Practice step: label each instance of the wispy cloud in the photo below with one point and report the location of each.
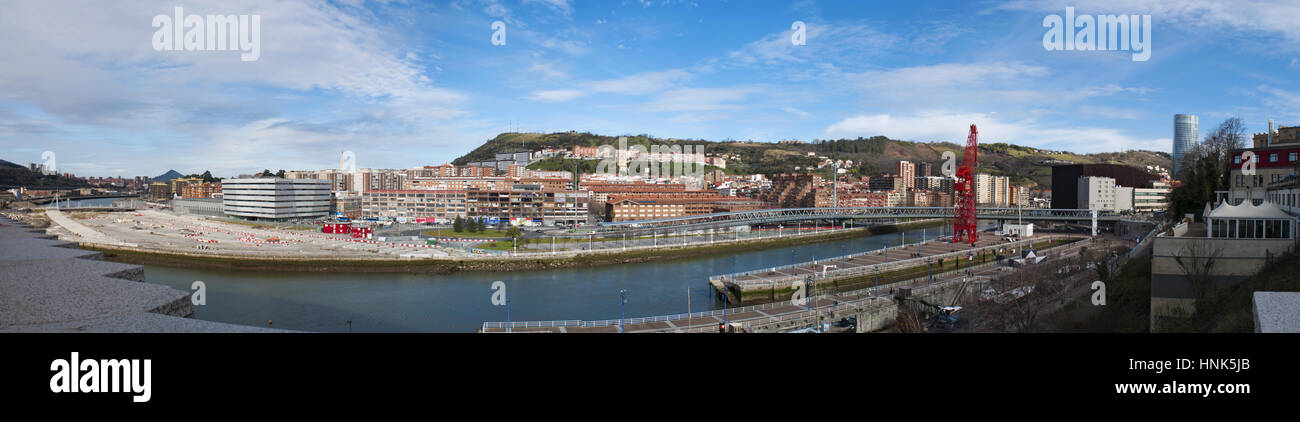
(953, 127)
(639, 84)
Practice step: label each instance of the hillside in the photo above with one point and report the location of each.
(1026, 166)
(12, 174)
(167, 177)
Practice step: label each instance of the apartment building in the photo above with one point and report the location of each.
(906, 170)
(409, 204)
(797, 191)
(643, 208)
(201, 190)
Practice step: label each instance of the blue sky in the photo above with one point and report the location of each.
(403, 84)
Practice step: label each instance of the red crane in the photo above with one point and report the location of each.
(964, 226)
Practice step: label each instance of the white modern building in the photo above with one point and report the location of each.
(1101, 193)
(275, 198)
(1152, 199)
(1018, 230)
(1123, 198)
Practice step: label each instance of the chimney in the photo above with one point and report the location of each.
(1270, 133)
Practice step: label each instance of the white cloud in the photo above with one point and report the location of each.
(796, 111)
(1270, 16)
(95, 75)
(1282, 101)
(953, 127)
(555, 96)
(638, 84)
(992, 83)
(835, 43)
(699, 99)
(560, 6)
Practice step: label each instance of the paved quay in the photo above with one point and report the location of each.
(48, 285)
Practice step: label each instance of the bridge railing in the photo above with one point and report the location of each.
(839, 299)
(860, 270)
(867, 212)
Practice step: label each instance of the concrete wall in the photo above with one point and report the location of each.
(1172, 295)
(1233, 257)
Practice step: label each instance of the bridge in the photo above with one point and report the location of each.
(50, 199)
(778, 215)
(131, 203)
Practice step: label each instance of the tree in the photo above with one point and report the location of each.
(280, 173)
(458, 225)
(1205, 168)
(471, 225)
(1197, 261)
(514, 233)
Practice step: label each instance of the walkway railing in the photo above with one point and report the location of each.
(788, 214)
(859, 270)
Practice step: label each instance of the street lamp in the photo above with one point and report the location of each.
(811, 282)
(876, 291)
(928, 278)
(622, 325)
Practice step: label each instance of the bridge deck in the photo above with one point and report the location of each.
(777, 215)
(857, 261)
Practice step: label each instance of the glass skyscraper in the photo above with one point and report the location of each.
(1186, 129)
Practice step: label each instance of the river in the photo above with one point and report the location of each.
(461, 302)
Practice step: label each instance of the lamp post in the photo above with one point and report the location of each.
(928, 277)
(622, 325)
(724, 295)
(349, 326)
(876, 289)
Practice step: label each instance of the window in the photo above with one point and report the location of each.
(1291, 157)
(1272, 158)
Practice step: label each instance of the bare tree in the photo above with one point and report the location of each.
(908, 320)
(1197, 260)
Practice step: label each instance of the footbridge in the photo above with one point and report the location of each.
(779, 215)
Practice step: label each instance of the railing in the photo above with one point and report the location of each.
(614, 245)
(839, 300)
(785, 214)
(856, 271)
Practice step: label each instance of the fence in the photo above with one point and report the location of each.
(860, 270)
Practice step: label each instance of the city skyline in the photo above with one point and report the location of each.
(404, 85)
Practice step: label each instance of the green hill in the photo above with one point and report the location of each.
(1026, 166)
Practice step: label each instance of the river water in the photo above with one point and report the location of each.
(92, 202)
(461, 302)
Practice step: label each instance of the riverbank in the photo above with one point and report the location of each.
(485, 264)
